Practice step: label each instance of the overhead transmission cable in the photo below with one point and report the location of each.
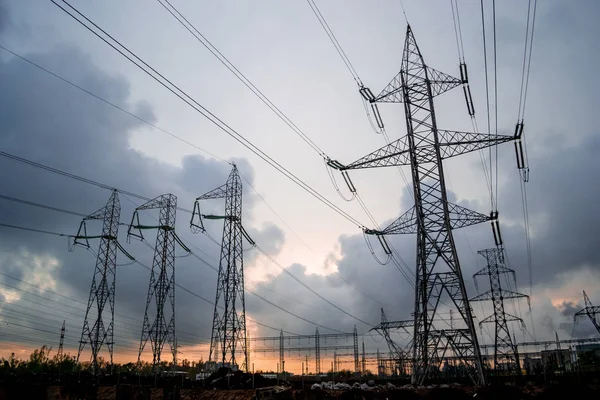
(209, 46)
(178, 138)
(176, 284)
(126, 193)
(107, 102)
(524, 172)
(186, 98)
(398, 264)
(335, 42)
(238, 74)
(306, 244)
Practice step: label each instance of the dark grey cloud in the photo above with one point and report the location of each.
(4, 16)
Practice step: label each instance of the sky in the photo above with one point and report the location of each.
(283, 50)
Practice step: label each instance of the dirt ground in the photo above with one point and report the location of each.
(127, 392)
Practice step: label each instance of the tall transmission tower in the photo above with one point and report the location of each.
(62, 342)
(229, 318)
(396, 352)
(433, 217)
(98, 327)
(590, 310)
(159, 323)
(506, 355)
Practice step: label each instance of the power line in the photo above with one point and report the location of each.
(148, 268)
(334, 41)
(309, 288)
(24, 228)
(107, 102)
(162, 80)
(50, 169)
(304, 243)
(357, 79)
(241, 77)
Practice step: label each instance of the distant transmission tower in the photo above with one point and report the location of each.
(433, 217)
(62, 341)
(98, 328)
(590, 310)
(159, 323)
(505, 351)
(228, 338)
(396, 352)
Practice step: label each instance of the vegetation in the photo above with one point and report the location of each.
(40, 361)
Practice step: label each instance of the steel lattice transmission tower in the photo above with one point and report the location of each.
(505, 351)
(159, 321)
(229, 337)
(61, 344)
(433, 217)
(590, 310)
(98, 326)
(396, 352)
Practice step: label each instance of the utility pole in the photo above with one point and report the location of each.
(590, 310)
(159, 321)
(100, 330)
(505, 351)
(229, 318)
(433, 217)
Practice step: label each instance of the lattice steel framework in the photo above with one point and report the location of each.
(98, 326)
(319, 343)
(433, 217)
(159, 317)
(229, 318)
(396, 352)
(590, 310)
(61, 344)
(506, 355)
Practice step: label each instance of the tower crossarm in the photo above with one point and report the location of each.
(590, 310)
(451, 144)
(218, 193)
(460, 217)
(393, 325)
(492, 319)
(501, 270)
(440, 83)
(454, 143)
(506, 294)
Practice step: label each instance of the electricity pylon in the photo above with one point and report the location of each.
(229, 318)
(96, 331)
(396, 353)
(505, 351)
(61, 344)
(433, 217)
(590, 310)
(161, 288)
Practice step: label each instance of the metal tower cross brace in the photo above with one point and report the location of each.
(590, 310)
(433, 216)
(159, 324)
(98, 327)
(229, 319)
(505, 351)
